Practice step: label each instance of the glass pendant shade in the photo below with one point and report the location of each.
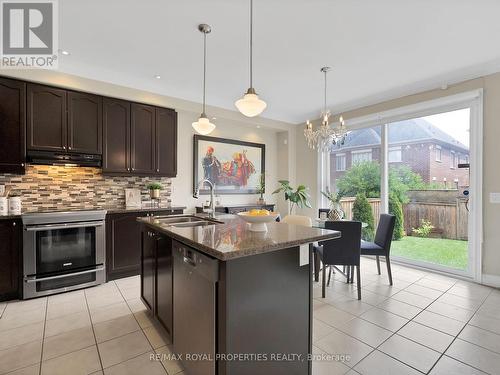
(250, 105)
(203, 126)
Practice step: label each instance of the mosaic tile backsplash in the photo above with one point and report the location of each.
(46, 187)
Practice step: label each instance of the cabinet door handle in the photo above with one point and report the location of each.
(133, 169)
(64, 147)
(14, 224)
(22, 164)
(69, 148)
(157, 169)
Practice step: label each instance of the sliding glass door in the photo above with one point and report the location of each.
(428, 164)
(419, 163)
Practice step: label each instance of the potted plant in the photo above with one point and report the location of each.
(336, 212)
(298, 197)
(154, 190)
(261, 188)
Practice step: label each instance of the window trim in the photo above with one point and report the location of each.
(359, 152)
(395, 148)
(472, 99)
(440, 158)
(343, 154)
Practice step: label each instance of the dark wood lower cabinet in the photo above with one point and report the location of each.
(148, 269)
(10, 258)
(164, 279)
(123, 242)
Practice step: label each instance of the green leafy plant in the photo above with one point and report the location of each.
(333, 198)
(154, 186)
(298, 197)
(362, 211)
(424, 230)
(261, 187)
(396, 209)
(365, 178)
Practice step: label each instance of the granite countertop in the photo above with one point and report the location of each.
(232, 238)
(109, 210)
(114, 210)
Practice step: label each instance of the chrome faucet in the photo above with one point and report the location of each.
(196, 195)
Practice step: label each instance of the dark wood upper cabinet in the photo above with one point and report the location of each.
(84, 123)
(12, 126)
(47, 119)
(10, 250)
(116, 134)
(166, 142)
(143, 133)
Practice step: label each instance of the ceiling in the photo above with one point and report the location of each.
(378, 49)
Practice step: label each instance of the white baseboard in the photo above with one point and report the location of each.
(491, 280)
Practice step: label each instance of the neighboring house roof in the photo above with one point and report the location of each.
(401, 132)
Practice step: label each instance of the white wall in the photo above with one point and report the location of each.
(230, 124)
(183, 183)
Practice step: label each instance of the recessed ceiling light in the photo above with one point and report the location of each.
(65, 53)
(157, 76)
(258, 126)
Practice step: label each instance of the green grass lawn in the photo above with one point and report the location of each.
(449, 253)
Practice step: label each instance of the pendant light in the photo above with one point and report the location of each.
(250, 105)
(203, 125)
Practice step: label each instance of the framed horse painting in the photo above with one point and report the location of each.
(234, 167)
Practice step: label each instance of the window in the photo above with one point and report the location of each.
(361, 156)
(438, 153)
(395, 155)
(453, 159)
(340, 162)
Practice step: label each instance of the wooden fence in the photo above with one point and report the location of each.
(347, 204)
(450, 220)
(447, 213)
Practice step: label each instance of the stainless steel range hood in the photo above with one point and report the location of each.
(64, 159)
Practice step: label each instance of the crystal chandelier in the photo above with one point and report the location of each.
(326, 136)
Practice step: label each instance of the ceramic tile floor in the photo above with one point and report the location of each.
(100, 330)
(425, 323)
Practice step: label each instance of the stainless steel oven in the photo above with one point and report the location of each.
(62, 251)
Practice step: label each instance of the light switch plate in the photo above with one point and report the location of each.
(304, 255)
(495, 198)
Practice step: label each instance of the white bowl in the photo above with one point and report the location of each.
(258, 222)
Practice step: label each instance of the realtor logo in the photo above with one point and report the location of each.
(29, 34)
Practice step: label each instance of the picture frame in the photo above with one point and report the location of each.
(233, 166)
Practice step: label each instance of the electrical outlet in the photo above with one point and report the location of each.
(495, 198)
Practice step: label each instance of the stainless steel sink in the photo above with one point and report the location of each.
(185, 221)
(194, 224)
(178, 219)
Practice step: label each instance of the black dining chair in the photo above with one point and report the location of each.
(343, 251)
(381, 246)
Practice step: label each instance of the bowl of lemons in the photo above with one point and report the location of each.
(258, 219)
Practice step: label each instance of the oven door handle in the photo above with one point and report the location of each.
(35, 228)
(33, 279)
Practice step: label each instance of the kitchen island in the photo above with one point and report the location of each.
(234, 301)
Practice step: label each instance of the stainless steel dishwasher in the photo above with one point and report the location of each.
(195, 283)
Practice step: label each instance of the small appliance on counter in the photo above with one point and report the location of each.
(133, 198)
(15, 205)
(62, 251)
